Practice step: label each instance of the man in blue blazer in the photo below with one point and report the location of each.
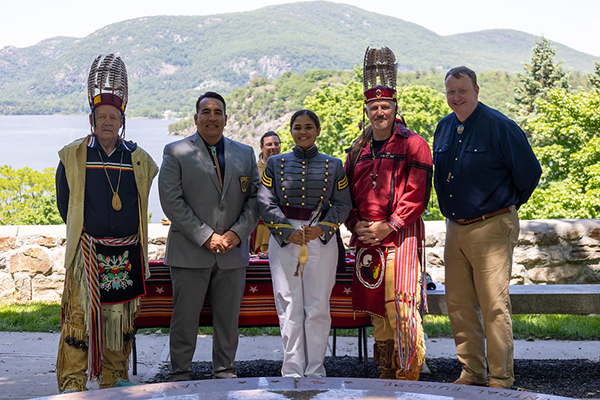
(207, 187)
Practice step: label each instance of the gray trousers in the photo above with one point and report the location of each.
(225, 288)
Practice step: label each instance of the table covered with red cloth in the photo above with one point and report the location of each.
(258, 306)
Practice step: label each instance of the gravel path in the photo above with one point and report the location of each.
(569, 378)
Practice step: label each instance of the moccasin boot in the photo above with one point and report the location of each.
(383, 352)
(72, 384)
(110, 378)
(410, 375)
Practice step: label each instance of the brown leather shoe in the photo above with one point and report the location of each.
(463, 381)
(498, 386)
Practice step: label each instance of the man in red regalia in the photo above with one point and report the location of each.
(390, 171)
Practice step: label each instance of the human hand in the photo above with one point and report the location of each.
(312, 232)
(296, 237)
(372, 233)
(229, 240)
(214, 243)
(362, 228)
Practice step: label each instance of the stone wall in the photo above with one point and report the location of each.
(548, 251)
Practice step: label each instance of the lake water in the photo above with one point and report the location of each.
(34, 141)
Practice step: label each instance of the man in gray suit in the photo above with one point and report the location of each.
(207, 186)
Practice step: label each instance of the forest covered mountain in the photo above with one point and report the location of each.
(172, 59)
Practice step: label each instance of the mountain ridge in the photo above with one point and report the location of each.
(172, 59)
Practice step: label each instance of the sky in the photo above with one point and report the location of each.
(575, 23)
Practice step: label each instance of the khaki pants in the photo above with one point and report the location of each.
(478, 260)
(385, 328)
(72, 360)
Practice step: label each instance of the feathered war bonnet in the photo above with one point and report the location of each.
(379, 63)
(107, 84)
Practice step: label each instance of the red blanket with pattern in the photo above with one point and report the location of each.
(258, 306)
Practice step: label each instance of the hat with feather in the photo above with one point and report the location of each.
(379, 74)
(107, 83)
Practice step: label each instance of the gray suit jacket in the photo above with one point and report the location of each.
(192, 199)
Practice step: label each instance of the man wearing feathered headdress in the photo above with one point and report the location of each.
(390, 170)
(102, 187)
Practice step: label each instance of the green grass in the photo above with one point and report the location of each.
(32, 317)
(557, 327)
(45, 317)
(535, 326)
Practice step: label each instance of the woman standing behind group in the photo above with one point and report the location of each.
(303, 199)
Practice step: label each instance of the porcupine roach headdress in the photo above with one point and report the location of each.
(379, 63)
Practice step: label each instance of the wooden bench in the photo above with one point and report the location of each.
(576, 299)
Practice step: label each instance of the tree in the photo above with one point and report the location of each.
(28, 197)
(422, 108)
(594, 78)
(540, 76)
(339, 108)
(565, 133)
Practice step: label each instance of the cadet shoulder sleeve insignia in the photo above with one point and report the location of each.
(343, 183)
(268, 182)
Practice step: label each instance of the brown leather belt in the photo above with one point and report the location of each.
(484, 216)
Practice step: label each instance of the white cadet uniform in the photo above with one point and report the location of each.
(292, 186)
